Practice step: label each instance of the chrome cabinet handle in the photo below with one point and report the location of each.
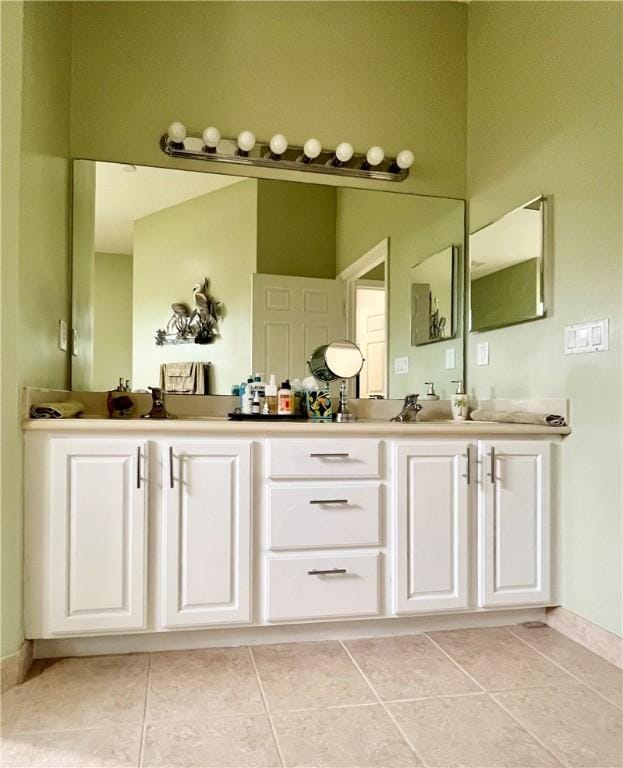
(328, 571)
(468, 474)
(329, 455)
(138, 467)
(328, 501)
(171, 480)
(492, 466)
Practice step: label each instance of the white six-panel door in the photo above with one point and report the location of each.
(98, 535)
(514, 523)
(206, 541)
(432, 527)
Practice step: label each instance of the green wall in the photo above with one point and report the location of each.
(295, 229)
(506, 296)
(212, 236)
(389, 73)
(545, 116)
(36, 49)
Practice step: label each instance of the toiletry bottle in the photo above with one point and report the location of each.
(271, 394)
(459, 402)
(247, 396)
(284, 399)
(255, 404)
(430, 394)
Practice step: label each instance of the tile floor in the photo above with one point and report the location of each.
(479, 697)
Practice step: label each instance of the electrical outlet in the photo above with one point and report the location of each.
(401, 365)
(450, 359)
(482, 353)
(62, 335)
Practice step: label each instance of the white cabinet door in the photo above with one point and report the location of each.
(432, 527)
(514, 523)
(98, 535)
(207, 533)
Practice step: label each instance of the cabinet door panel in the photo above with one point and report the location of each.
(432, 531)
(207, 533)
(97, 536)
(514, 536)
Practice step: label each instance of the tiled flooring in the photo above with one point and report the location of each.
(480, 697)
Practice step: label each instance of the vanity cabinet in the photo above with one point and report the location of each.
(514, 523)
(97, 565)
(206, 533)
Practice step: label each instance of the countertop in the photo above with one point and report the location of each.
(216, 425)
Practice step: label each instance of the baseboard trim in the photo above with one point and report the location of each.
(597, 639)
(14, 668)
(236, 636)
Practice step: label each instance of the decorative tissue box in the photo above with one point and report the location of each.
(319, 404)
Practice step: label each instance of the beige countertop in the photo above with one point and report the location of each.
(215, 425)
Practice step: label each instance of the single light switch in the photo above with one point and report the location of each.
(595, 335)
(583, 337)
(401, 365)
(482, 353)
(450, 359)
(586, 337)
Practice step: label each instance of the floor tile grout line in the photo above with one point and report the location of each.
(455, 662)
(564, 669)
(268, 713)
(528, 730)
(389, 714)
(141, 750)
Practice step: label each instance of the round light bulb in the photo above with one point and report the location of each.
(375, 156)
(177, 132)
(312, 148)
(344, 152)
(278, 144)
(404, 159)
(211, 137)
(246, 141)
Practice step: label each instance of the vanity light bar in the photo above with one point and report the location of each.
(277, 153)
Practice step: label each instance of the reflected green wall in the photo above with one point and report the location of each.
(506, 296)
(545, 117)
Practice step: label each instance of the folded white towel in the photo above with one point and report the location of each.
(66, 410)
(519, 417)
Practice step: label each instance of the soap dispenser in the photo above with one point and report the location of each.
(430, 394)
(459, 402)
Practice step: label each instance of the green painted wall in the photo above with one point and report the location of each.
(417, 228)
(36, 46)
(214, 235)
(391, 73)
(295, 229)
(506, 296)
(545, 116)
(112, 314)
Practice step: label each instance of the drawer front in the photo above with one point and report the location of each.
(298, 590)
(323, 516)
(320, 459)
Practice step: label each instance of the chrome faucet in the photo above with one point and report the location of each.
(410, 409)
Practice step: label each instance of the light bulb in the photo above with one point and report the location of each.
(404, 159)
(375, 156)
(278, 144)
(311, 149)
(177, 133)
(211, 138)
(246, 142)
(344, 152)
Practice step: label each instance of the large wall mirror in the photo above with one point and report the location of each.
(506, 269)
(274, 268)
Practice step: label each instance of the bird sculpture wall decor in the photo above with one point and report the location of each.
(199, 325)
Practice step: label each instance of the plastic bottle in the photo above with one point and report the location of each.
(284, 399)
(255, 404)
(271, 394)
(247, 396)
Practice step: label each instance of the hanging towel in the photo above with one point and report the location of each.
(519, 417)
(184, 378)
(67, 410)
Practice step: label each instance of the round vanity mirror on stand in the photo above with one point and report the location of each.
(337, 360)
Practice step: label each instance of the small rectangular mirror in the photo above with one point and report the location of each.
(506, 269)
(433, 298)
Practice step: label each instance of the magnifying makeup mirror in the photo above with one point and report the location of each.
(337, 360)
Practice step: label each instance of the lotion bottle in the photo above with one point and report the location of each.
(459, 402)
(284, 399)
(271, 394)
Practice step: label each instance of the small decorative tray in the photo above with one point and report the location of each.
(235, 416)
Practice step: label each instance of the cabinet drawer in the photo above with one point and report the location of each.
(323, 516)
(295, 591)
(319, 459)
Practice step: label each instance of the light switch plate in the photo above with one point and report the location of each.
(482, 353)
(74, 342)
(586, 337)
(401, 365)
(450, 359)
(62, 335)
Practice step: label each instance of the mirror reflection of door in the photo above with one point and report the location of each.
(370, 336)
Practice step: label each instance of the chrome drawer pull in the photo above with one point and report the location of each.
(328, 572)
(171, 478)
(328, 501)
(138, 467)
(492, 472)
(329, 455)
